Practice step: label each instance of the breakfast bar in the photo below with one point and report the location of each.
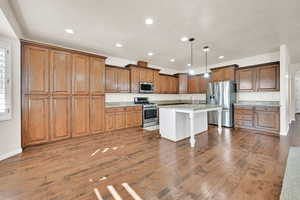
(178, 122)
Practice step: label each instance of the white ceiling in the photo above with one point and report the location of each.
(233, 28)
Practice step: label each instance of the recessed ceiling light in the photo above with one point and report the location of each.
(221, 57)
(69, 31)
(172, 60)
(191, 72)
(119, 45)
(189, 65)
(184, 39)
(149, 21)
(150, 54)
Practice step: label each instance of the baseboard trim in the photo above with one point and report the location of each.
(10, 154)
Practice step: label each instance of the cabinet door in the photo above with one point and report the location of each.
(268, 78)
(217, 75)
(110, 119)
(80, 116)
(149, 76)
(97, 76)
(183, 83)
(129, 119)
(111, 80)
(123, 80)
(156, 82)
(137, 118)
(81, 74)
(60, 117)
(228, 74)
(36, 70)
(61, 72)
(135, 79)
(143, 75)
(203, 84)
(97, 110)
(266, 120)
(194, 84)
(35, 120)
(246, 80)
(120, 120)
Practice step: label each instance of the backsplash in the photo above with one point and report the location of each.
(126, 97)
(258, 96)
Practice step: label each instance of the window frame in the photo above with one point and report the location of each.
(7, 46)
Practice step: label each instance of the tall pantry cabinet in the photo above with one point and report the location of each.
(60, 90)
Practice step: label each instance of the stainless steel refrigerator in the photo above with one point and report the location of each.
(221, 93)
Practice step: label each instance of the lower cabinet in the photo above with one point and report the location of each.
(263, 118)
(123, 117)
(80, 116)
(35, 120)
(97, 109)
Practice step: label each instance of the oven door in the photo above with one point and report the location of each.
(150, 115)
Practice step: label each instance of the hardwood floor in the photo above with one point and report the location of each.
(237, 164)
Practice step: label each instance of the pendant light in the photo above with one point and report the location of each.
(191, 71)
(206, 50)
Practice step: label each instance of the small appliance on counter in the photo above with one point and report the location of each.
(145, 87)
(150, 111)
(222, 93)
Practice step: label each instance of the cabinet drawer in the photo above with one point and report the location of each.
(134, 108)
(244, 123)
(243, 111)
(266, 108)
(114, 110)
(244, 117)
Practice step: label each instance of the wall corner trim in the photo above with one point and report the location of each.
(10, 154)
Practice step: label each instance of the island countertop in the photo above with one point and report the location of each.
(192, 107)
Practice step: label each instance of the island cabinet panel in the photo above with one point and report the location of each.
(246, 79)
(97, 76)
(123, 80)
(35, 119)
(263, 118)
(80, 116)
(61, 72)
(268, 78)
(97, 114)
(35, 70)
(81, 74)
(60, 117)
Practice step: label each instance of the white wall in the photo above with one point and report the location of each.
(297, 92)
(10, 131)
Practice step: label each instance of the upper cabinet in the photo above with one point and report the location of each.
(183, 83)
(61, 72)
(259, 78)
(197, 84)
(168, 84)
(81, 74)
(35, 70)
(117, 79)
(226, 73)
(97, 76)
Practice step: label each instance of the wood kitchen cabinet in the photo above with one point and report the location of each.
(60, 117)
(97, 76)
(133, 116)
(35, 70)
(183, 83)
(156, 82)
(60, 72)
(117, 79)
(197, 84)
(259, 78)
(263, 118)
(81, 74)
(35, 119)
(226, 73)
(168, 84)
(80, 116)
(97, 114)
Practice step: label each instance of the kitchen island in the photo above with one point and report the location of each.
(178, 122)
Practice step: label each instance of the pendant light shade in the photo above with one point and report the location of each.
(206, 50)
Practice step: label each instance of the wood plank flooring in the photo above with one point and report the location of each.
(237, 164)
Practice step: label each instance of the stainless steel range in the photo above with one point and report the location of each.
(150, 111)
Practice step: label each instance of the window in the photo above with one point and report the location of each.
(5, 88)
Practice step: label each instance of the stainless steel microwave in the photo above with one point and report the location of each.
(146, 87)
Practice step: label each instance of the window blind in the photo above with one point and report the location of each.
(4, 83)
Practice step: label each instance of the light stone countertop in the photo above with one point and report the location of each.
(193, 107)
(120, 104)
(160, 103)
(258, 103)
